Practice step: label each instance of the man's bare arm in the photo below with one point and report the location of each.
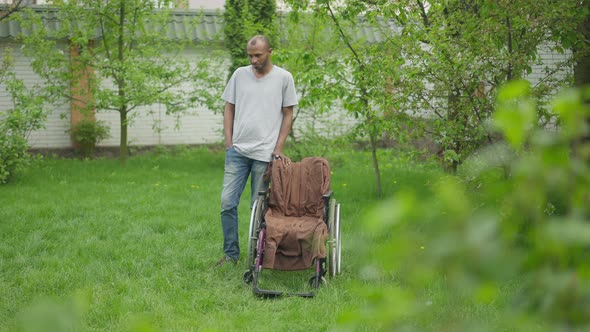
(228, 123)
(284, 132)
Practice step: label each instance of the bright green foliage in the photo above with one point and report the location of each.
(244, 19)
(342, 70)
(458, 53)
(306, 42)
(127, 51)
(516, 116)
(489, 250)
(27, 114)
(13, 151)
(88, 133)
(442, 62)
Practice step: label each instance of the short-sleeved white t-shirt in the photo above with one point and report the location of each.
(258, 109)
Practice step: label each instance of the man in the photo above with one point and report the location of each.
(257, 119)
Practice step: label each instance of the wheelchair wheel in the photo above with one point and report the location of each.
(339, 242)
(334, 240)
(317, 282)
(248, 276)
(255, 221)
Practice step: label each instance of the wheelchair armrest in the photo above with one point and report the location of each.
(326, 198)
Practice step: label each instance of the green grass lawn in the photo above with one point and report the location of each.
(92, 245)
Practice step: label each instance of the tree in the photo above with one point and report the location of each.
(444, 62)
(307, 50)
(127, 54)
(244, 19)
(26, 114)
(16, 123)
(497, 253)
(582, 50)
(360, 101)
(462, 51)
(353, 74)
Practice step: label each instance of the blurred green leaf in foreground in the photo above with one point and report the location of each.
(502, 245)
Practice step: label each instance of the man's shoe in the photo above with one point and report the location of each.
(226, 259)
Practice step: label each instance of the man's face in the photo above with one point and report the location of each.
(259, 54)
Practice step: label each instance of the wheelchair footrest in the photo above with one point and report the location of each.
(266, 292)
(272, 293)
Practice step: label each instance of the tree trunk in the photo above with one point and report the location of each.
(376, 165)
(582, 66)
(453, 106)
(123, 149)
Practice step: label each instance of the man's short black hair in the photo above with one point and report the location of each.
(257, 38)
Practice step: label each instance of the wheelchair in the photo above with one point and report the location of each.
(295, 225)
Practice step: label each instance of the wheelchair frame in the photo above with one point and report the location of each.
(257, 240)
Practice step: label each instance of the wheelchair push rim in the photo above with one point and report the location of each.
(334, 239)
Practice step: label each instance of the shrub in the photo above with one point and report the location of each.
(26, 115)
(87, 134)
(502, 246)
(13, 152)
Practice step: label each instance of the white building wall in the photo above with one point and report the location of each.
(199, 127)
(549, 60)
(218, 4)
(150, 125)
(206, 4)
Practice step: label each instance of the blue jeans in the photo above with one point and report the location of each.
(237, 170)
